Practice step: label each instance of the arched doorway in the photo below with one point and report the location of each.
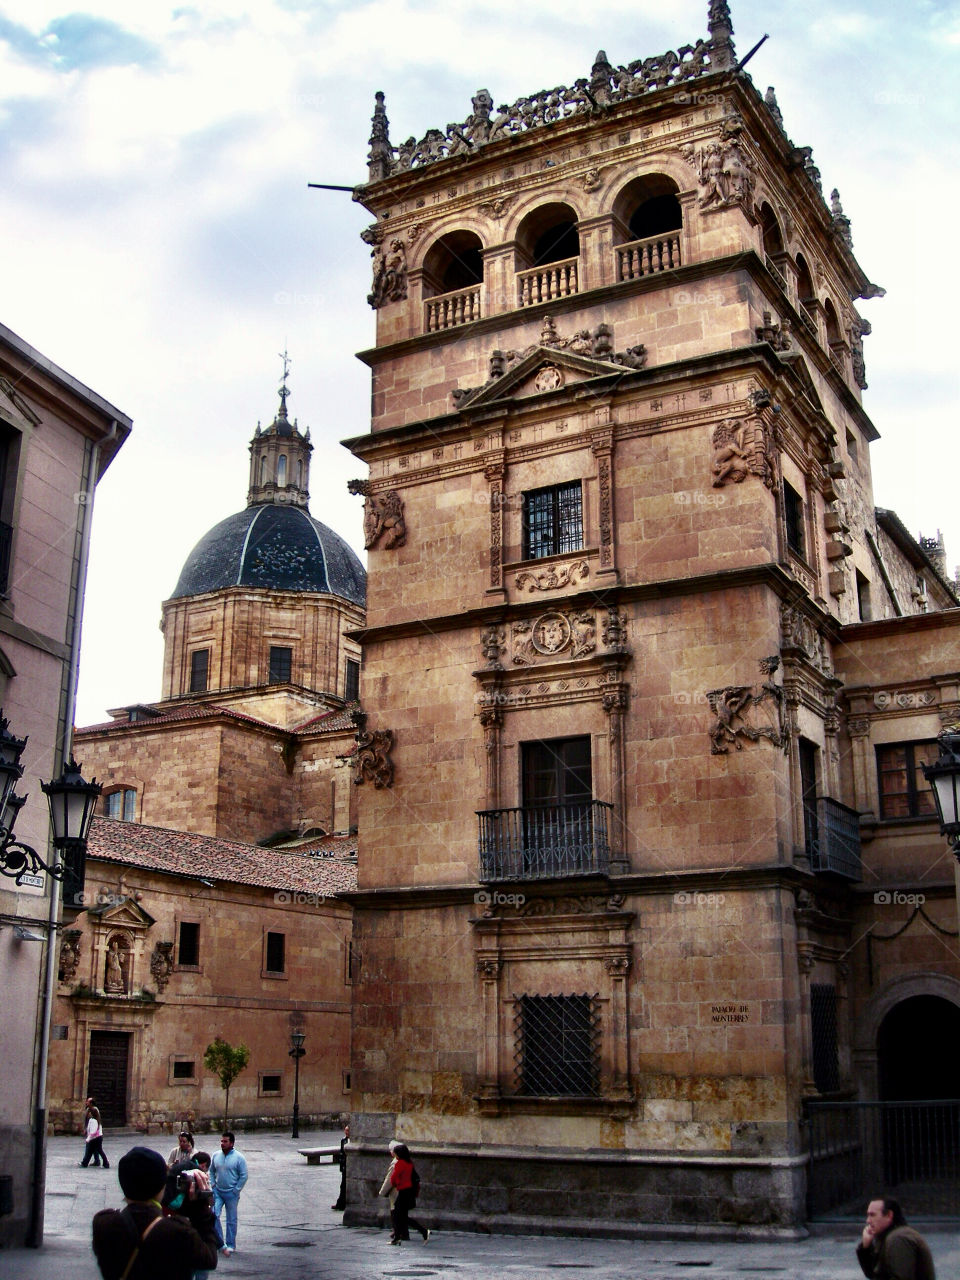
(917, 1050)
(917, 1045)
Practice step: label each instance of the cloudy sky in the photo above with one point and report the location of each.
(160, 243)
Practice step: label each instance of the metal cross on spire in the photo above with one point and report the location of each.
(284, 391)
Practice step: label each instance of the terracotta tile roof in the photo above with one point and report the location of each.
(191, 711)
(333, 846)
(338, 720)
(184, 853)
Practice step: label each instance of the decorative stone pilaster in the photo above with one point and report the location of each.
(491, 717)
(618, 968)
(602, 448)
(488, 970)
(495, 474)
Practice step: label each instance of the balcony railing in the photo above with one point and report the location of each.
(776, 272)
(648, 257)
(833, 841)
(447, 310)
(6, 543)
(807, 321)
(543, 284)
(537, 843)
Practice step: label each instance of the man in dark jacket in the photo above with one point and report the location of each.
(889, 1249)
(138, 1242)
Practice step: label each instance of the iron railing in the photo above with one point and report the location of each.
(910, 1149)
(833, 841)
(539, 842)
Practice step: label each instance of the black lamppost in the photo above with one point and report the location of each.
(72, 801)
(944, 778)
(296, 1053)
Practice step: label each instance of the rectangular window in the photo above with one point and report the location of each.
(351, 690)
(199, 670)
(863, 597)
(188, 948)
(553, 520)
(275, 952)
(121, 805)
(270, 1083)
(793, 515)
(808, 787)
(557, 1044)
(558, 829)
(904, 791)
(281, 663)
(823, 1015)
(184, 1069)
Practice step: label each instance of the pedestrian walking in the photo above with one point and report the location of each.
(342, 1161)
(93, 1137)
(139, 1241)
(402, 1185)
(889, 1249)
(228, 1175)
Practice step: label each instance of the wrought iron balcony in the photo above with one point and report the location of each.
(545, 841)
(833, 838)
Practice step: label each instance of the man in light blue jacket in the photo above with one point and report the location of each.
(228, 1177)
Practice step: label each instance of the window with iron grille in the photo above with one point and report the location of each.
(557, 1046)
(823, 1015)
(793, 515)
(281, 663)
(552, 520)
(904, 792)
(199, 670)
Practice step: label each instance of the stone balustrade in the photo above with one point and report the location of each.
(648, 257)
(447, 310)
(543, 284)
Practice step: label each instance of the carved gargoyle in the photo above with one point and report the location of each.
(372, 761)
(161, 964)
(737, 711)
(382, 515)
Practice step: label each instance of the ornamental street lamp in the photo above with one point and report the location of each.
(296, 1053)
(72, 801)
(944, 778)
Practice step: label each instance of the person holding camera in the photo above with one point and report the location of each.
(140, 1241)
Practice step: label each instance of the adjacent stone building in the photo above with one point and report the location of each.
(249, 738)
(184, 937)
(57, 438)
(652, 676)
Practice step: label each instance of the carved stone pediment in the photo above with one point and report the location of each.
(539, 371)
(127, 914)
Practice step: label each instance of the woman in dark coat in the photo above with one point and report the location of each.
(407, 1183)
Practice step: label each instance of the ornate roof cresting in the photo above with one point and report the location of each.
(605, 85)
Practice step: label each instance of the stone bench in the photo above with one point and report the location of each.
(321, 1155)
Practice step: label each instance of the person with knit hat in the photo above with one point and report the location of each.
(138, 1242)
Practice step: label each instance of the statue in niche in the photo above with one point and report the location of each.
(114, 979)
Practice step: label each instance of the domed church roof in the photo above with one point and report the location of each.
(275, 544)
(276, 548)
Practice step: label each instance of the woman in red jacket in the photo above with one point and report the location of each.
(406, 1182)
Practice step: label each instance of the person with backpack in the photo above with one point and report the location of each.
(405, 1181)
(140, 1242)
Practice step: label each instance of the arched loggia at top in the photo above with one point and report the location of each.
(548, 254)
(648, 223)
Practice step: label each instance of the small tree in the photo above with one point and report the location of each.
(226, 1061)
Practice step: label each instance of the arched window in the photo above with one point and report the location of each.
(648, 220)
(263, 467)
(299, 473)
(453, 275)
(282, 471)
(548, 245)
(806, 294)
(770, 231)
(833, 325)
